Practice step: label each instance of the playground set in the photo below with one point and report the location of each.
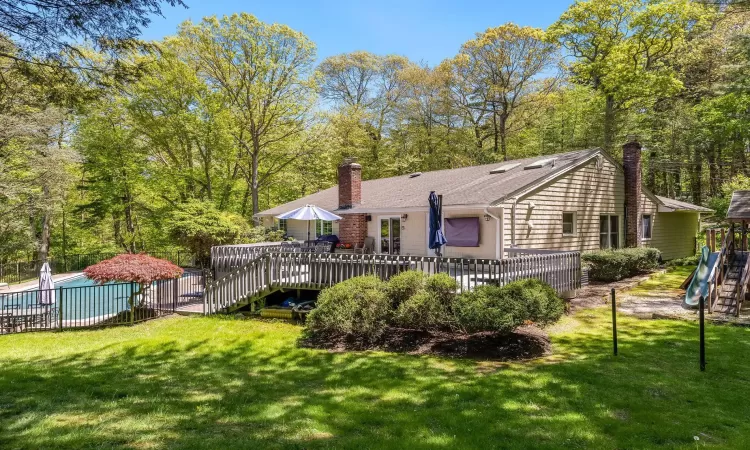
(723, 271)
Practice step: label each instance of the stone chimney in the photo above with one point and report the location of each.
(631, 164)
(352, 227)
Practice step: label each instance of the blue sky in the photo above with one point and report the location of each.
(420, 30)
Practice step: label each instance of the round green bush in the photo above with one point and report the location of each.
(614, 265)
(357, 307)
(543, 305)
(404, 285)
(503, 309)
(431, 308)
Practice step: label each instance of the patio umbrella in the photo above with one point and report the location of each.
(46, 286)
(309, 212)
(436, 238)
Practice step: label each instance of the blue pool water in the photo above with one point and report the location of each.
(79, 299)
(79, 281)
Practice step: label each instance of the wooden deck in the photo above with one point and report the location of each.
(274, 270)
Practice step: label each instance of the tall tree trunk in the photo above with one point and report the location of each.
(651, 178)
(130, 226)
(503, 130)
(254, 187)
(713, 175)
(696, 175)
(44, 234)
(495, 131)
(609, 123)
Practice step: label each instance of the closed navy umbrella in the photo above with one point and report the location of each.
(436, 238)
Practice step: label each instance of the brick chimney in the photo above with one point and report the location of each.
(352, 227)
(631, 163)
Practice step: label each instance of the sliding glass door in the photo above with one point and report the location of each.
(390, 235)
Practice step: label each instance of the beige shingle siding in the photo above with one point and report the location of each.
(587, 191)
(674, 234)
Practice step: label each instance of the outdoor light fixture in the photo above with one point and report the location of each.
(486, 217)
(404, 217)
(368, 218)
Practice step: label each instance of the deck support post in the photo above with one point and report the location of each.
(702, 334)
(614, 322)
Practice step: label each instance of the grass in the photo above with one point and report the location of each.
(223, 383)
(664, 284)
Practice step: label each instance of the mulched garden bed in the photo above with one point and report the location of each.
(525, 343)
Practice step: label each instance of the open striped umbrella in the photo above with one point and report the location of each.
(309, 213)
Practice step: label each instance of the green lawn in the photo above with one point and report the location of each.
(667, 283)
(219, 383)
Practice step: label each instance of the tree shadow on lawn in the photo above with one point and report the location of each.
(250, 392)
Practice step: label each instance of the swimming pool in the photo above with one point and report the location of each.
(80, 302)
(74, 299)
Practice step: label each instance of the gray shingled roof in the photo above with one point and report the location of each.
(678, 205)
(739, 207)
(466, 186)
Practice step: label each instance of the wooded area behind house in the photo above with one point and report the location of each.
(158, 143)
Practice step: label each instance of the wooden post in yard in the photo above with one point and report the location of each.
(702, 334)
(614, 322)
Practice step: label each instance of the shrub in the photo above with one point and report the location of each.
(503, 309)
(254, 235)
(357, 307)
(430, 308)
(543, 305)
(405, 285)
(686, 261)
(614, 265)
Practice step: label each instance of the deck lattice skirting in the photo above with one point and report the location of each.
(271, 269)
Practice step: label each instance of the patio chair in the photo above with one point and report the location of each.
(324, 247)
(44, 318)
(368, 247)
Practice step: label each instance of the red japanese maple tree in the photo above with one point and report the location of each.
(133, 268)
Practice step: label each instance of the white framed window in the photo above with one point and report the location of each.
(647, 225)
(282, 225)
(323, 227)
(569, 223)
(609, 231)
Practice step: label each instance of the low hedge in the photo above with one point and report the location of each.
(503, 309)
(363, 307)
(357, 307)
(429, 308)
(614, 265)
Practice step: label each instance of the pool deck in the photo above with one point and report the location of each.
(27, 285)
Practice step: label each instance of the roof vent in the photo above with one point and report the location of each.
(504, 168)
(415, 174)
(541, 163)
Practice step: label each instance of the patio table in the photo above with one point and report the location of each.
(21, 317)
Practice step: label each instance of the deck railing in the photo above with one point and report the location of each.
(226, 258)
(272, 270)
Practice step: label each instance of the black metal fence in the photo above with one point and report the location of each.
(86, 306)
(16, 272)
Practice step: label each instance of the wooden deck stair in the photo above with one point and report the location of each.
(729, 292)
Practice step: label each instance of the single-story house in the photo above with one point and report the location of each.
(580, 200)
